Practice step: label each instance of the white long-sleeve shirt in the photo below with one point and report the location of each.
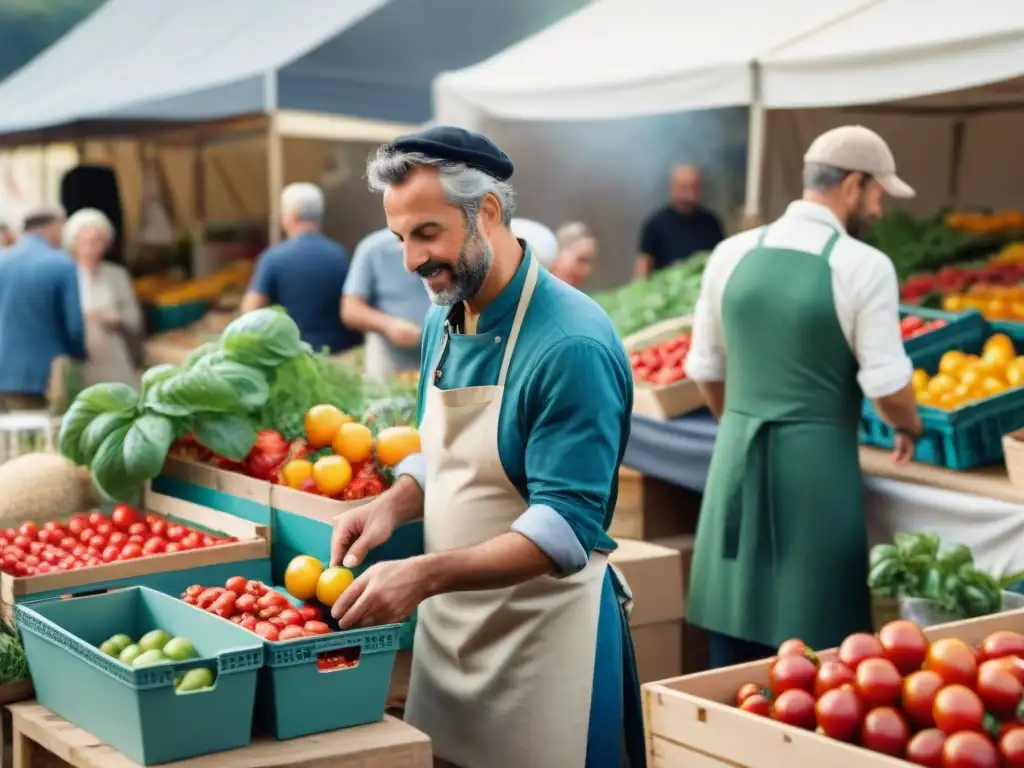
(865, 292)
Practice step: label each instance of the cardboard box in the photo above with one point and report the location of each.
(694, 640)
(691, 721)
(253, 544)
(652, 573)
(648, 508)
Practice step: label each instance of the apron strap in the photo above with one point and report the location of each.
(762, 236)
(830, 244)
(517, 323)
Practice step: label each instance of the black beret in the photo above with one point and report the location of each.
(447, 142)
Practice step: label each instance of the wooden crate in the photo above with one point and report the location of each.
(209, 476)
(669, 400)
(690, 722)
(1013, 455)
(253, 544)
(649, 508)
(310, 505)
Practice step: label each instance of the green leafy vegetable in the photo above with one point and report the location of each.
(249, 384)
(111, 396)
(79, 416)
(98, 431)
(155, 375)
(146, 445)
(265, 338)
(196, 390)
(229, 436)
(109, 473)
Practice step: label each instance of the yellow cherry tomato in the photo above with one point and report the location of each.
(919, 379)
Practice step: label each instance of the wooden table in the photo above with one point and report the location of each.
(387, 744)
(989, 482)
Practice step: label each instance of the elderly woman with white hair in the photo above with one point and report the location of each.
(577, 252)
(113, 320)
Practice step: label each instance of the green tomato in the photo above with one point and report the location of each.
(179, 649)
(130, 654)
(154, 640)
(149, 658)
(195, 680)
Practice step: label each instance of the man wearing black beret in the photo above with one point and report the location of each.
(522, 655)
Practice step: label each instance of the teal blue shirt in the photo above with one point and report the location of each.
(565, 416)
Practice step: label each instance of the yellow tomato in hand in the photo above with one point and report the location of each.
(332, 583)
(302, 575)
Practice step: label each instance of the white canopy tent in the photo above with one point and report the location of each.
(942, 80)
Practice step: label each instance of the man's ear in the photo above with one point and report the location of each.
(490, 214)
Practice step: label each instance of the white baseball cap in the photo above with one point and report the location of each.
(856, 148)
(542, 241)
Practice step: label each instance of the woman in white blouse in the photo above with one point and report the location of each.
(112, 315)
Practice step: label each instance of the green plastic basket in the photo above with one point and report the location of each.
(137, 711)
(297, 698)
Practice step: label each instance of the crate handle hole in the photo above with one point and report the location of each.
(338, 660)
(702, 715)
(206, 688)
(89, 593)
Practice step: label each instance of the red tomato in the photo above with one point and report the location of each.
(86, 534)
(1016, 666)
(926, 748)
(1011, 747)
(195, 590)
(80, 551)
(175, 532)
(46, 537)
(97, 542)
(885, 731)
(858, 647)
(172, 547)
(954, 660)
(272, 598)
(246, 602)
(22, 542)
(831, 675)
(29, 530)
(117, 539)
(138, 529)
(292, 616)
(248, 621)
(110, 554)
(744, 693)
(190, 541)
(77, 524)
(904, 644)
(788, 672)
(36, 547)
(104, 529)
(277, 622)
(839, 713)
(154, 546)
(96, 518)
(69, 543)
(31, 560)
(291, 633)
(1000, 691)
(135, 539)
(797, 648)
(269, 612)
(311, 613)
(236, 584)
(159, 528)
(958, 708)
(319, 628)
(124, 516)
(130, 552)
(207, 541)
(878, 683)
(267, 631)
(53, 525)
(208, 596)
(257, 588)
(794, 707)
(224, 605)
(758, 704)
(919, 690)
(969, 750)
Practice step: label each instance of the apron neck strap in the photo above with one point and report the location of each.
(825, 252)
(517, 322)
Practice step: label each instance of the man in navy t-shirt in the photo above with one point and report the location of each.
(680, 229)
(306, 273)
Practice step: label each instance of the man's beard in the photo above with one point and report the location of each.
(858, 223)
(469, 272)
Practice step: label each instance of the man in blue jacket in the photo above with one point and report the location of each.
(40, 312)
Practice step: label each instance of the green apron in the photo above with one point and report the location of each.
(781, 547)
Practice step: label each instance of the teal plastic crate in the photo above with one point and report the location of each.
(962, 330)
(137, 711)
(968, 437)
(299, 694)
(297, 535)
(1012, 329)
(172, 318)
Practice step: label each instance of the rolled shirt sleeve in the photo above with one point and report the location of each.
(877, 342)
(414, 466)
(576, 410)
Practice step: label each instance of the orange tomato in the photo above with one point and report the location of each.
(323, 423)
(996, 309)
(992, 386)
(971, 376)
(301, 576)
(1001, 345)
(953, 363)
(964, 394)
(941, 383)
(948, 401)
(924, 397)
(953, 303)
(992, 366)
(395, 443)
(919, 379)
(332, 474)
(296, 472)
(332, 583)
(354, 441)
(1015, 372)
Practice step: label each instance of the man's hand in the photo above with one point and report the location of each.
(902, 449)
(358, 531)
(403, 333)
(385, 593)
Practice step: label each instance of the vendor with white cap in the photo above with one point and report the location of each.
(797, 321)
(542, 241)
(522, 655)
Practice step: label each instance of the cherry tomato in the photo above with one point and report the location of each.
(257, 588)
(175, 532)
(885, 731)
(797, 648)
(840, 713)
(277, 622)
(195, 590)
(919, 690)
(124, 517)
(172, 547)
(190, 541)
(954, 660)
(266, 630)
(291, 633)
(904, 644)
(319, 628)
(789, 672)
(98, 542)
(117, 539)
(86, 534)
(96, 518)
(969, 750)
(794, 707)
(22, 542)
(104, 529)
(246, 602)
(999, 689)
(926, 748)
(136, 539)
(958, 708)
(248, 621)
(1011, 747)
(28, 530)
(130, 552)
(878, 683)
(69, 543)
(758, 704)
(53, 525)
(744, 693)
(207, 541)
(154, 546)
(159, 528)
(110, 554)
(138, 529)
(292, 616)
(77, 524)
(311, 613)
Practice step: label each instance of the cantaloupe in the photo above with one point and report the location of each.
(43, 486)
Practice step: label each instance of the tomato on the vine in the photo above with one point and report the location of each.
(968, 749)
(840, 714)
(831, 675)
(878, 683)
(954, 660)
(744, 693)
(919, 691)
(925, 748)
(797, 647)
(859, 647)
(957, 708)
(904, 644)
(885, 731)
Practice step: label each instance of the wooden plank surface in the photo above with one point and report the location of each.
(989, 482)
(387, 744)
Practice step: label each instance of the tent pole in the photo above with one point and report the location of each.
(275, 158)
(756, 139)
